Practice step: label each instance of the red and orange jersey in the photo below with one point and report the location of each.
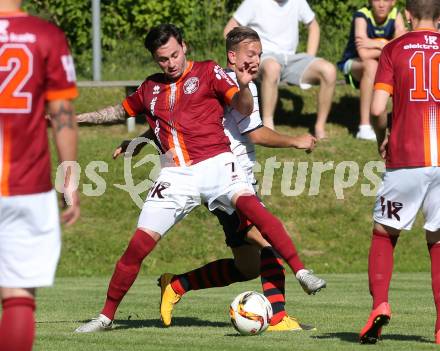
(35, 66)
(409, 69)
(186, 115)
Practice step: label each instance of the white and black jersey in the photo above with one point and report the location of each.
(237, 126)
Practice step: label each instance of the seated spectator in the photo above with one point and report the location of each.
(372, 27)
(277, 23)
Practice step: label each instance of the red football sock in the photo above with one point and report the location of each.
(126, 270)
(17, 328)
(214, 274)
(434, 252)
(380, 266)
(272, 281)
(271, 228)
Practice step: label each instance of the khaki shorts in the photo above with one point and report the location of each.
(293, 66)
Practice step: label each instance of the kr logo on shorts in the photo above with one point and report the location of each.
(234, 175)
(391, 208)
(157, 188)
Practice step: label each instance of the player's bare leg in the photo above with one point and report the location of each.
(433, 241)
(323, 73)
(17, 327)
(270, 71)
(380, 269)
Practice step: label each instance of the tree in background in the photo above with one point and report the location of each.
(123, 22)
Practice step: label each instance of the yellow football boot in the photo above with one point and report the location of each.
(168, 298)
(289, 324)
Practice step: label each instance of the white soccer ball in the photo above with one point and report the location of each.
(250, 313)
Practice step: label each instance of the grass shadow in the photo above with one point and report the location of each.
(343, 336)
(354, 337)
(295, 117)
(156, 323)
(65, 321)
(346, 113)
(401, 337)
(238, 335)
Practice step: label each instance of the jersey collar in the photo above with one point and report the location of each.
(425, 29)
(18, 13)
(187, 70)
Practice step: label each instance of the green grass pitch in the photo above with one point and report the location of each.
(332, 235)
(201, 319)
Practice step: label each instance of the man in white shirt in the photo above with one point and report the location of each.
(277, 23)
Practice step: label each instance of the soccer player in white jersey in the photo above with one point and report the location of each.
(250, 261)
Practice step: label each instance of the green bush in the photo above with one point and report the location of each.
(125, 22)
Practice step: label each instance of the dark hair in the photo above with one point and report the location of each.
(424, 9)
(239, 34)
(159, 35)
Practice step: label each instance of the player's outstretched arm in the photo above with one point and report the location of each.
(122, 148)
(65, 133)
(269, 138)
(110, 114)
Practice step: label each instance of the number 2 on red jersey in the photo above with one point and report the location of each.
(16, 61)
(422, 86)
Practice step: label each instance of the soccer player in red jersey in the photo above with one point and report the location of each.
(184, 108)
(36, 72)
(253, 256)
(408, 71)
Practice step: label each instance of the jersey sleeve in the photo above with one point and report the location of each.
(134, 103)
(60, 76)
(247, 124)
(384, 75)
(306, 15)
(245, 12)
(223, 86)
